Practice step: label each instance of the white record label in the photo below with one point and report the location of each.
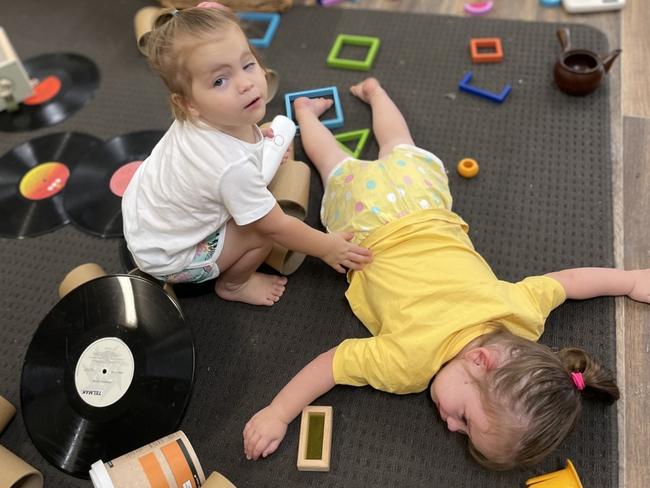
(104, 372)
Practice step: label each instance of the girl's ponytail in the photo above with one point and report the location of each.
(599, 384)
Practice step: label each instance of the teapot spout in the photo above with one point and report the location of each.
(610, 58)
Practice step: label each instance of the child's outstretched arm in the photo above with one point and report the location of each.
(266, 429)
(581, 283)
(335, 249)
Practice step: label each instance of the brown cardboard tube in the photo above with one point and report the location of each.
(143, 23)
(167, 287)
(78, 276)
(217, 480)
(7, 412)
(290, 187)
(272, 81)
(283, 260)
(16, 473)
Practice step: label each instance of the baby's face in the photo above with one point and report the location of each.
(228, 89)
(458, 400)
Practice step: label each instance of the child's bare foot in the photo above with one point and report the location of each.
(366, 89)
(260, 289)
(317, 106)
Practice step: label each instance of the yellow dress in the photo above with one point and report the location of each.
(427, 292)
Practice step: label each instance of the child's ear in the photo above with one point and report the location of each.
(184, 104)
(483, 357)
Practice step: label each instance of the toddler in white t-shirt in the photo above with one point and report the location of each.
(198, 207)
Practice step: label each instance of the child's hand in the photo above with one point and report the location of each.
(343, 253)
(641, 289)
(268, 133)
(263, 433)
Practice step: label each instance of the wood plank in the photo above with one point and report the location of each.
(636, 58)
(635, 424)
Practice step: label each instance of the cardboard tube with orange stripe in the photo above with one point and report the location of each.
(167, 462)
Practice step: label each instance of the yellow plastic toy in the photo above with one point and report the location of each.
(564, 478)
(467, 168)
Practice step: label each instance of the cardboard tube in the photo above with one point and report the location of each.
(167, 287)
(272, 81)
(7, 412)
(78, 276)
(290, 187)
(217, 480)
(16, 473)
(143, 24)
(283, 260)
(169, 461)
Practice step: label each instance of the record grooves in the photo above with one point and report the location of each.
(76, 78)
(32, 176)
(109, 369)
(88, 199)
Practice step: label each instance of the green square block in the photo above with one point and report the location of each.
(372, 43)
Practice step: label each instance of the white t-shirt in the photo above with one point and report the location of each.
(195, 179)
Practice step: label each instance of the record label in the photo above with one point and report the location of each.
(122, 176)
(44, 91)
(32, 176)
(44, 180)
(104, 372)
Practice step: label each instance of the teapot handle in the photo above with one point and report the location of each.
(564, 36)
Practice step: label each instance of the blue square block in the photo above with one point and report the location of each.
(330, 91)
(273, 20)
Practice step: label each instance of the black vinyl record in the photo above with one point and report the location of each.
(93, 196)
(109, 369)
(75, 78)
(32, 176)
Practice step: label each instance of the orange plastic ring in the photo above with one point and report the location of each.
(467, 168)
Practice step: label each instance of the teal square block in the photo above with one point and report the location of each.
(334, 61)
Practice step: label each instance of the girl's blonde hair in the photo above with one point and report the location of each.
(533, 384)
(172, 34)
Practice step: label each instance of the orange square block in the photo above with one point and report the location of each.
(495, 56)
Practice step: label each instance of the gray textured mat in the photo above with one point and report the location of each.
(542, 202)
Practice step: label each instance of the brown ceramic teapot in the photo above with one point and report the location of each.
(580, 71)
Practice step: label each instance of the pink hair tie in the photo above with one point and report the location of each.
(578, 380)
(212, 5)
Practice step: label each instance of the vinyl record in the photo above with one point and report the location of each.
(109, 369)
(66, 82)
(93, 197)
(32, 176)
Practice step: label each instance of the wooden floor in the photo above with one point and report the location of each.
(630, 111)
